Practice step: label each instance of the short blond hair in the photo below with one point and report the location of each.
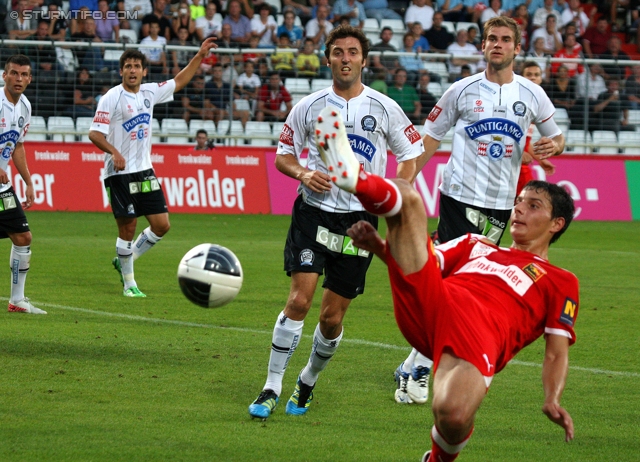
(502, 21)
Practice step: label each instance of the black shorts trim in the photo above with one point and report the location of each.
(457, 219)
(135, 194)
(317, 242)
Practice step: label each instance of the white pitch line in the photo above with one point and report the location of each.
(385, 346)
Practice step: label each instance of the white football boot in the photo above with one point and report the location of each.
(24, 306)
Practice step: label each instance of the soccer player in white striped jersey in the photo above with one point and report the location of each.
(317, 243)
(15, 116)
(491, 113)
(122, 129)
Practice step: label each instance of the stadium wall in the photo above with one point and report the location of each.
(235, 180)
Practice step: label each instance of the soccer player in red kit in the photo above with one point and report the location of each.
(468, 304)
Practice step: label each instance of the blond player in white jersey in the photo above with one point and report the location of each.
(491, 113)
(15, 116)
(317, 241)
(122, 129)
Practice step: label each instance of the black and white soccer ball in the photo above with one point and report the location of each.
(210, 275)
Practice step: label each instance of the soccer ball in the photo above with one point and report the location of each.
(210, 275)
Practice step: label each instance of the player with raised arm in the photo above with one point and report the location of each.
(122, 129)
(322, 213)
(469, 304)
(490, 113)
(15, 112)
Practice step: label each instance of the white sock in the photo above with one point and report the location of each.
(146, 239)
(123, 250)
(408, 363)
(321, 353)
(422, 360)
(20, 258)
(286, 336)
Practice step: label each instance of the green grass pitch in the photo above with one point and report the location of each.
(106, 378)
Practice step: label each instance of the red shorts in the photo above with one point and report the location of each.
(436, 315)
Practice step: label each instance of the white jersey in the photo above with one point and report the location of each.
(126, 120)
(14, 124)
(490, 125)
(374, 124)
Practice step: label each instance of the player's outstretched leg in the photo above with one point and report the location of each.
(301, 399)
(264, 405)
(377, 195)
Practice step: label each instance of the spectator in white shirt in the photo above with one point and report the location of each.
(495, 9)
(420, 11)
(264, 27)
(550, 34)
(462, 47)
(208, 25)
(540, 15)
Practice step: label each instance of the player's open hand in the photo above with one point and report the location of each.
(316, 181)
(558, 415)
(544, 148)
(206, 47)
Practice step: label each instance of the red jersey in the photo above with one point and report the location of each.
(273, 99)
(482, 302)
(574, 68)
(526, 174)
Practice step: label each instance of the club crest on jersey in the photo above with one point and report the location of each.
(130, 124)
(361, 145)
(494, 126)
(306, 257)
(495, 150)
(6, 152)
(519, 108)
(369, 123)
(20, 122)
(147, 103)
(534, 271)
(568, 315)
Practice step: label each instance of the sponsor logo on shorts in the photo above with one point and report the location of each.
(412, 134)
(306, 257)
(568, 315)
(286, 136)
(338, 243)
(534, 271)
(101, 117)
(435, 112)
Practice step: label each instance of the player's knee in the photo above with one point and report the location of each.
(331, 321)
(450, 418)
(21, 239)
(298, 305)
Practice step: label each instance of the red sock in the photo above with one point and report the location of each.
(378, 195)
(443, 451)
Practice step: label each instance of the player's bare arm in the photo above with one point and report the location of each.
(554, 376)
(430, 148)
(101, 142)
(313, 179)
(20, 161)
(186, 74)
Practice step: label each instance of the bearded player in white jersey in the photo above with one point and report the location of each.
(122, 129)
(317, 242)
(15, 114)
(491, 113)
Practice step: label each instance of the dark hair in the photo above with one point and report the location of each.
(153, 20)
(134, 55)
(19, 60)
(284, 35)
(385, 28)
(528, 64)
(503, 21)
(561, 203)
(342, 32)
(202, 130)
